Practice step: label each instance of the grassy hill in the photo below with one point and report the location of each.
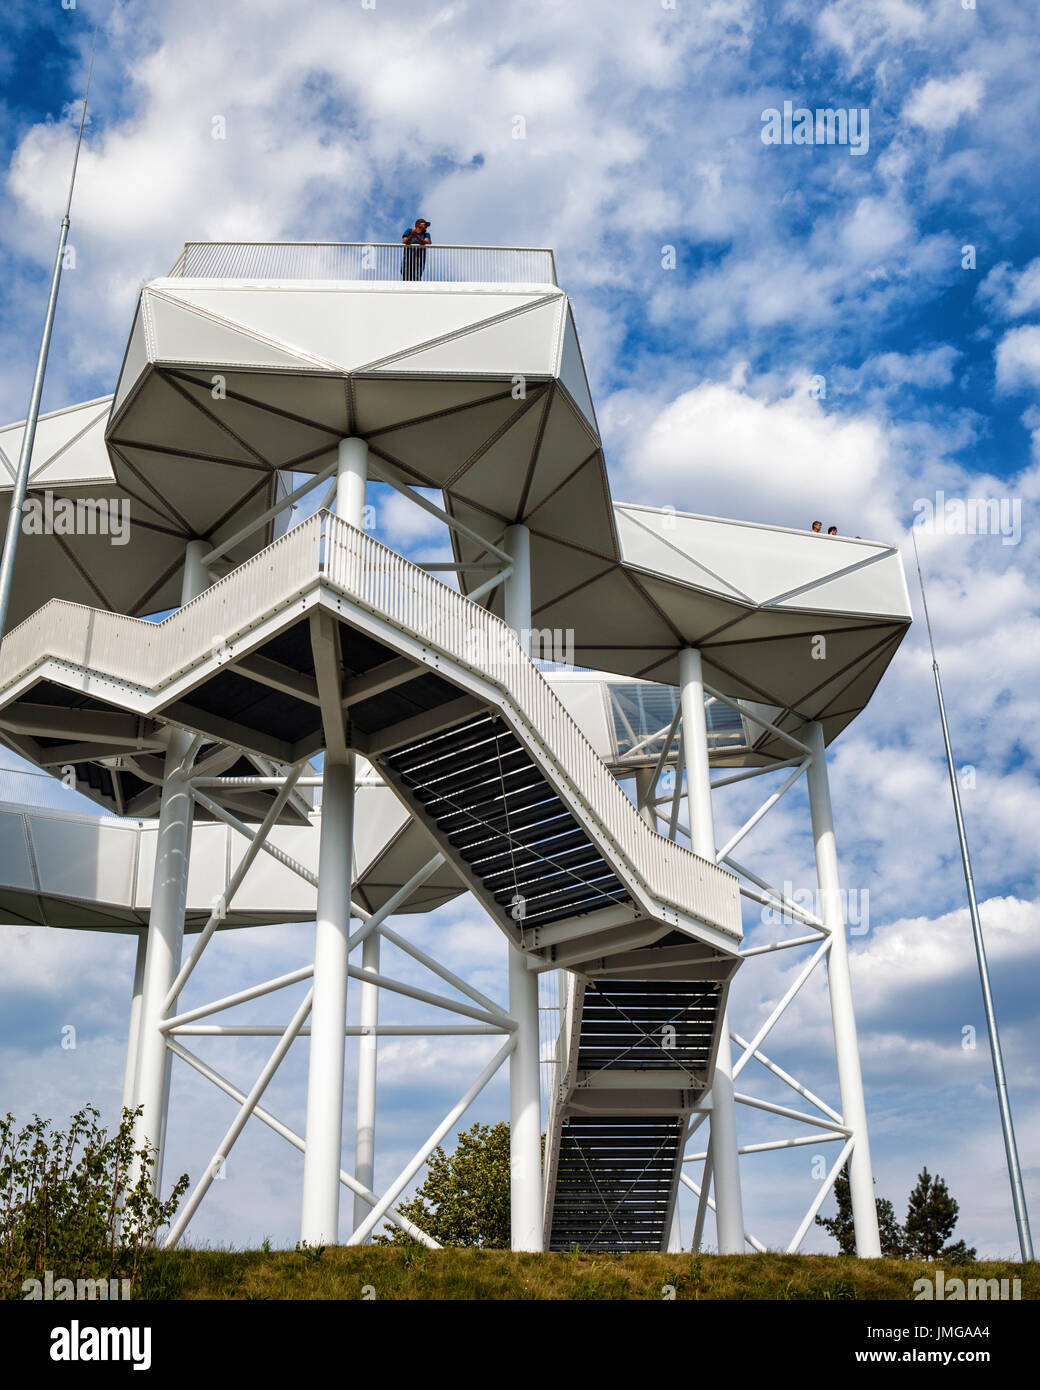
(415, 1273)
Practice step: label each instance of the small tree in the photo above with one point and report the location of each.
(931, 1215)
(464, 1199)
(67, 1203)
(840, 1226)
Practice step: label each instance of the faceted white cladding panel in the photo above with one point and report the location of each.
(523, 342)
(103, 862)
(14, 851)
(583, 698)
(181, 334)
(85, 859)
(378, 817)
(69, 448)
(572, 372)
(765, 565)
(343, 327)
(135, 360)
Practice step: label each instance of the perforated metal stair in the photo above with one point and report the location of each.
(478, 789)
(635, 1056)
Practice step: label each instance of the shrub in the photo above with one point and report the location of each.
(69, 1202)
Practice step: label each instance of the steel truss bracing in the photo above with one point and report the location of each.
(849, 1125)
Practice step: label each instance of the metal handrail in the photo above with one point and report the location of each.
(447, 262)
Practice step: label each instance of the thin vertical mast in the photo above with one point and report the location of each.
(1003, 1100)
(21, 483)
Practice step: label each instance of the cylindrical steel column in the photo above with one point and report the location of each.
(165, 936)
(365, 1131)
(644, 786)
(729, 1208)
(843, 1018)
(351, 481)
(165, 940)
(319, 1224)
(525, 1106)
(134, 1030)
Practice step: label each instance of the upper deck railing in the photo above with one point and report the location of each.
(355, 260)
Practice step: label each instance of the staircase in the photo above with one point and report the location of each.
(633, 1058)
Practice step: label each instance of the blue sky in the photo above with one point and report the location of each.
(642, 131)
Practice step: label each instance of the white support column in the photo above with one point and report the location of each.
(350, 505)
(351, 483)
(165, 936)
(134, 1030)
(319, 1223)
(351, 480)
(365, 1132)
(729, 1212)
(843, 1018)
(525, 1106)
(195, 579)
(644, 787)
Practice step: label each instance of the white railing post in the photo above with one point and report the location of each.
(729, 1213)
(843, 1018)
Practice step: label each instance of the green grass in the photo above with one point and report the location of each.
(414, 1273)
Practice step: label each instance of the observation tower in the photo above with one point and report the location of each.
(574, 805)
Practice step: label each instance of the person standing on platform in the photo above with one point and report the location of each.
(415, 241)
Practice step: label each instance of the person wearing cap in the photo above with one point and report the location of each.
(415, 241)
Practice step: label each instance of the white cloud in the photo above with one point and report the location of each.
(721, 450)
(1018, 359)
(1011, 292)
(927, 368)
(940, 103)
(859, 31)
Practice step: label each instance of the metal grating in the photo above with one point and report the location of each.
(642, 712)
(648, 1025)
(479, 788)
(614, 1182)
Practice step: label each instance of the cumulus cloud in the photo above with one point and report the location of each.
(1012, 293)
(723, 450)
(929, 367)
(1018, 359)
(940, 103)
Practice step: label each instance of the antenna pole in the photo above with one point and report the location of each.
(21, 482)
(1003, 1100)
